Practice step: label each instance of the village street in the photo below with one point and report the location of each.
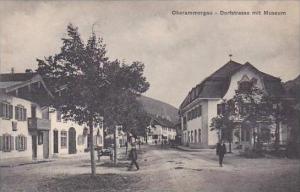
(160, 170)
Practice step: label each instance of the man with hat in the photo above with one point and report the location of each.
(133, 157)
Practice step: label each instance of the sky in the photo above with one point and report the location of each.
(178, 51)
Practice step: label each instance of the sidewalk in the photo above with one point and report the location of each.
(184, 148)
(13, 162)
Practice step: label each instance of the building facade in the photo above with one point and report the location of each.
(29, 129)
(159, 131)
(203, 102)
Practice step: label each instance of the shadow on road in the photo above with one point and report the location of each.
(84, 182)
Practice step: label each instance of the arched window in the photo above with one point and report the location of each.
(199, 136)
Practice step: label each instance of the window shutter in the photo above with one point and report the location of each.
(11, 143)
(25, 114)
(1, 143)
(1, 109)
(16, 113)
(17, 143)
(10, 111)
(25, 143)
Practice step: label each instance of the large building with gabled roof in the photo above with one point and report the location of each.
(202, 102)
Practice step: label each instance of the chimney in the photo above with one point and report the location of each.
(12, 70)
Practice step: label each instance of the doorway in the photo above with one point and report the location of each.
(34, 147)
(55, 141)
(72, 141)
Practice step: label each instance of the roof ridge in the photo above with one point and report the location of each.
(262, 73)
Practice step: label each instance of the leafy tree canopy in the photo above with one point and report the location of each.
(88, 84)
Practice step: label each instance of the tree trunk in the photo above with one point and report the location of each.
(230, 147)
(92, 150)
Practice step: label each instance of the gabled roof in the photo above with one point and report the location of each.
(12, 81)
(217, 84)
(162, 122)
(5, 77)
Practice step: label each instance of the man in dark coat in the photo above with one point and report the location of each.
(133, 156)
(221, 153)
(126, 145)
(218, 148)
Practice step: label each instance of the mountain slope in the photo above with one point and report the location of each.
(159, 108)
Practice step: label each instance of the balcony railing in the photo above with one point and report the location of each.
(38, 124)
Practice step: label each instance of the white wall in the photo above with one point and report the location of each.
(65, 126)
(237, 77)
(212, 112)
(22, 128)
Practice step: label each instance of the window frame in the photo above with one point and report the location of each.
(21, 143)
(7, 143)
(63, 139)
(6, 110)
(20, 113)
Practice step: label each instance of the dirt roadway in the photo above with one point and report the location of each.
(161, 170)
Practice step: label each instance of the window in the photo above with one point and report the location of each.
(199, 110)
(7, 143)
(221, 108)
(199, 135)
(184, 123)
(245, 86)
(97, 140)
(58, 115)
(20, 113)
(21, 143)
(63, 139)
(6, 110)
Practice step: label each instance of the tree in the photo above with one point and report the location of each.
(254, 110)
(224, 124)
(88, 85)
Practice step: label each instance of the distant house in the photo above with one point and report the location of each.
(160, 130)
(203, 101)
(29, 128)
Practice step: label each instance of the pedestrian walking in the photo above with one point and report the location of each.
(133, 156)
(126, 145)
(221, 153)
(218, 148)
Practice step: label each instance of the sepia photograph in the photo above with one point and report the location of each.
(149, 96)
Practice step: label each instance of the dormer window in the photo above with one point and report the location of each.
(245, 84)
